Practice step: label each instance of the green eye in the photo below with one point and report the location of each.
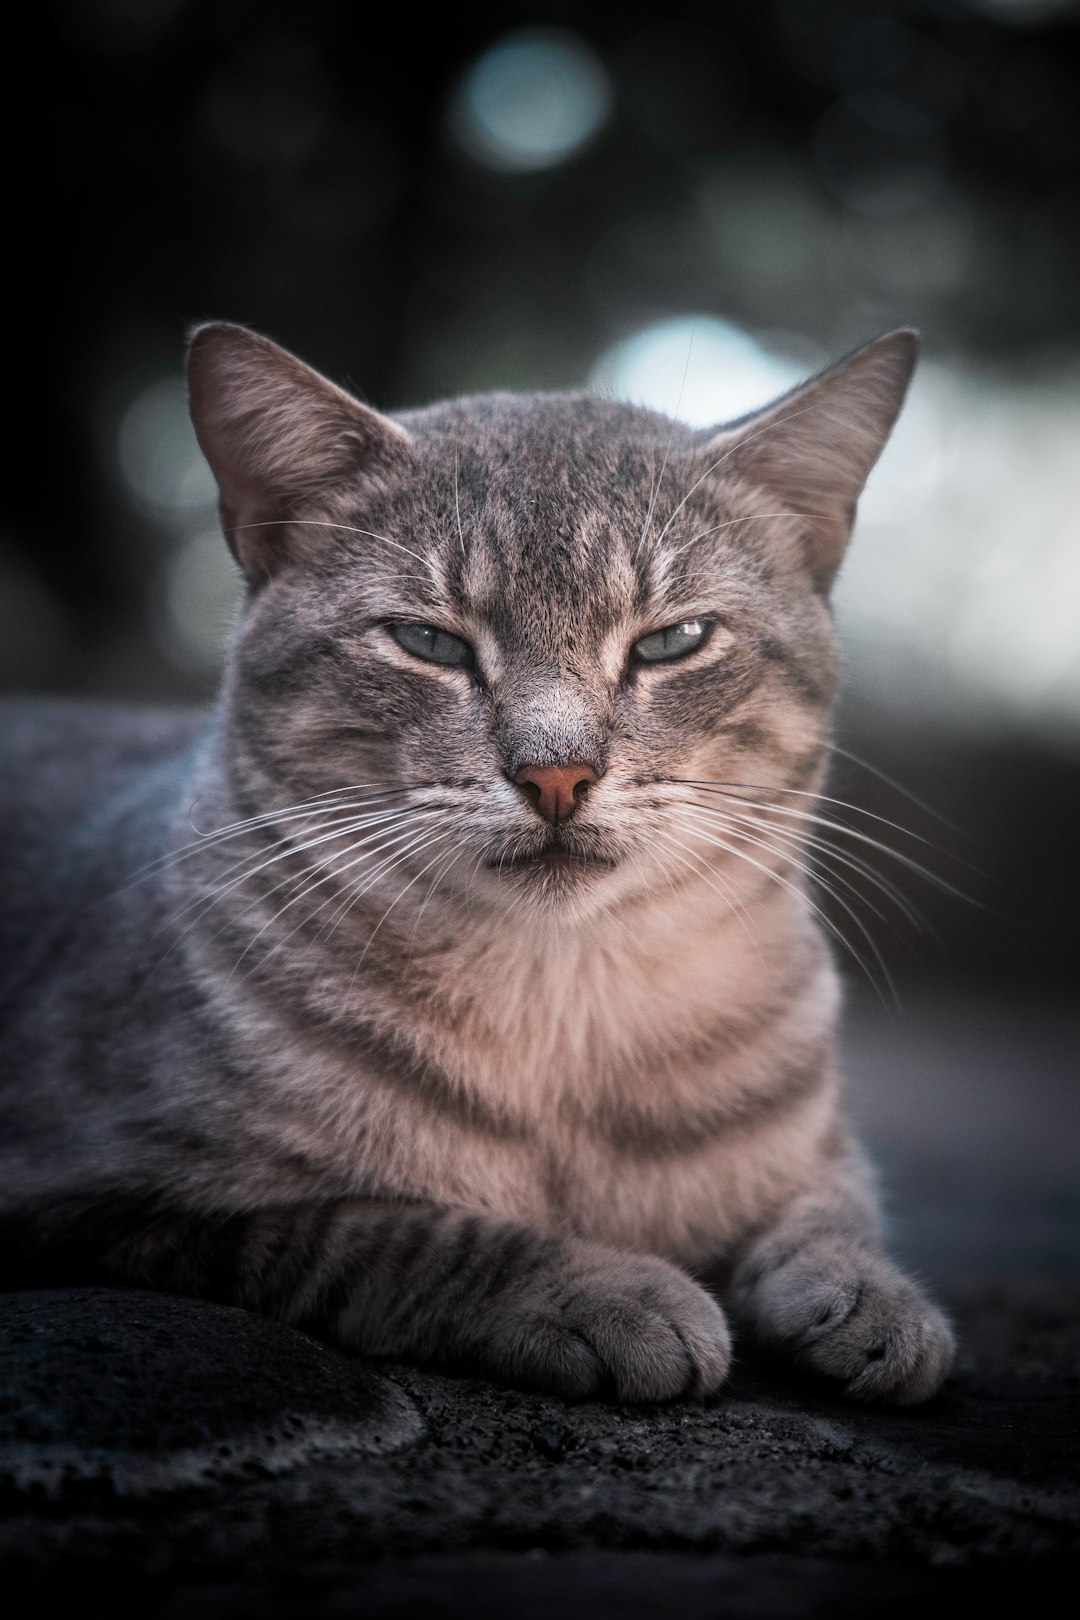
(673, 642)
(433, 645)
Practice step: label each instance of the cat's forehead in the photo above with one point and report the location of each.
(548, 500)
(537, 430)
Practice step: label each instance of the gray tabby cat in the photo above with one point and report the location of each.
(453, 991)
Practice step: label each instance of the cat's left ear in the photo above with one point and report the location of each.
(814, 448)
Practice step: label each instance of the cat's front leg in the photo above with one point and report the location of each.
(818, 1287)
(454, 1288)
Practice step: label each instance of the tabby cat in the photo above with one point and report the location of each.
(454, 990)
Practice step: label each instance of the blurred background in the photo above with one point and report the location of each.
(562, 196)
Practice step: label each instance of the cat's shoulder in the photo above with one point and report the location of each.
(87, 741)
(68, 768)
(88, 792)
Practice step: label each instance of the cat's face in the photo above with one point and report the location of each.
(570, 643)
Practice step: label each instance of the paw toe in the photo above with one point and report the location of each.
(909, 1364)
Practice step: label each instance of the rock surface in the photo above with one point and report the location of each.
(198, 1459)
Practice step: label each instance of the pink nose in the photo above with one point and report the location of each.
(555, 791)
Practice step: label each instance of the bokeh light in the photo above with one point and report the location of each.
(196, 589)
(965, 572)
(702, 369)
(531, 101)
(201, 593)
(158, 453)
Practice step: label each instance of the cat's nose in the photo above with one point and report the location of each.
(555, 791)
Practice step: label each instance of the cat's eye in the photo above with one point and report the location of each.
(433, 645)
(674, 641)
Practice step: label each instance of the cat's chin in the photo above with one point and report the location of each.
(553, 875)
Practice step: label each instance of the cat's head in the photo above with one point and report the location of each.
(556, 649)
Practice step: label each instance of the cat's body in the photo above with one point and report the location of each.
(488, 974)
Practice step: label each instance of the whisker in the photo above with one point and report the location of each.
(398, 897)
(369, 843)
(337, 829)
(927, 873)
(295, 812)
(462, 849)
(769, 427)
(695, 861)
(754, 517)
(828, 885)
(206, 903)
(829, 848)
(731, 788)
(823, 916)
(391, 839)
(202, 904)
(346, 528)
(356, 888)
(898, 787)
(457, 508)
(312, 887)
(667, 449)
(436, 880)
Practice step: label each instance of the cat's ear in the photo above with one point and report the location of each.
(815, 447)
(280, 440)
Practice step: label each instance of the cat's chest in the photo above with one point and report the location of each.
(685, 1194)
(627, 1111)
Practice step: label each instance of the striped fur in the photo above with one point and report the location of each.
(351, 1053)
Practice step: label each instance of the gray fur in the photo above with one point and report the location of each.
(295, 1015)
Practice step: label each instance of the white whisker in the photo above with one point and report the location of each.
(695, 861)
(346, 528)
(667, 449)
(730, 523)
(457, 508)
(778, 877)
(900, 856)
(398, 897)
(332, 831)
(367, 854)
(769, 427)
(827, 848)
(304, 808)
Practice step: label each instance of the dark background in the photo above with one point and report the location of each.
(807, 173)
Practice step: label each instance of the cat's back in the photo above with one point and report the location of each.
(79, 748)
(86, 792)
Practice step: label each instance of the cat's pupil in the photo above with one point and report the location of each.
(435, 646)
(674, 641)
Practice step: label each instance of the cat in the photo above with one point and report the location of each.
(454, 990)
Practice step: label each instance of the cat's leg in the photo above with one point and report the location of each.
(450, 1287)
(818, 1287)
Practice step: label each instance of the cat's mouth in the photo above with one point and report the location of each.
(555, 858)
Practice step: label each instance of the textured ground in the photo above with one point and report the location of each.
(185, 1459)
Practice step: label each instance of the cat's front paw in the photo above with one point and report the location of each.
(868, 1328)
(599, 1323)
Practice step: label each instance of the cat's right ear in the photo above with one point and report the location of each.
(281, 440)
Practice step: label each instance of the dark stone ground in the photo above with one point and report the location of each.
(177, 1459)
